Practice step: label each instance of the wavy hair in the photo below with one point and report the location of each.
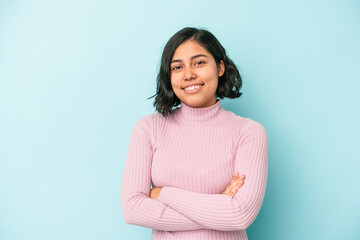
(229, 83)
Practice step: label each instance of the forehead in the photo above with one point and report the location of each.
(188, 49)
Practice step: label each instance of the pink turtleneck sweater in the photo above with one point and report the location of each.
(193, 154)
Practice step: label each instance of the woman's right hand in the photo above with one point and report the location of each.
(236, 183)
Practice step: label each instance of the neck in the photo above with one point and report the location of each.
(199, 116)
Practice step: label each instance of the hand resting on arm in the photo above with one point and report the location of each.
(231, 189)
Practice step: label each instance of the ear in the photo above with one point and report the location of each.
(221, 68)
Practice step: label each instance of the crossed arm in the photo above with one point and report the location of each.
(175, 209)
(231, 189)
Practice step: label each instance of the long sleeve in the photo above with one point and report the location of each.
(137, 207)
(223, 212)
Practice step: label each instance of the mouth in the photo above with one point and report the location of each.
(193, 88)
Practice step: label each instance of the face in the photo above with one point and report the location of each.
(195, 75)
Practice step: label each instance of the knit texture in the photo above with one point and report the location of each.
(193, 154)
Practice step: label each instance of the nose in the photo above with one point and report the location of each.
(189, 74)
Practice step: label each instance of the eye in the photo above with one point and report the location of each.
(199, 62)
(175, 68)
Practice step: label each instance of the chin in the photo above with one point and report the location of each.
(194, 104)
(191, 103)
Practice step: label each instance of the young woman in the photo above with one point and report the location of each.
(195, 155)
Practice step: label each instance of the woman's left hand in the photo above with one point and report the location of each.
(155, 192)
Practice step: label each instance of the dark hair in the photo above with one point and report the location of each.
(229, 83)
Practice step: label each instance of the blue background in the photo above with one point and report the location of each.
(75, 76)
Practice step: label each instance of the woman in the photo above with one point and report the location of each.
(193, 154)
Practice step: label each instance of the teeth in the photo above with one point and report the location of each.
(192, 87)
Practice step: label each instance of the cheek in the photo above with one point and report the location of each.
(174, 80)
(211, 79)
(208, 74)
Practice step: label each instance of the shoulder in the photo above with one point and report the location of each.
(253, 131)
(247, 131)
(150, 121)
(145, 123)
(245, 126)
(242, 122)
(148, 125)
(252, 125)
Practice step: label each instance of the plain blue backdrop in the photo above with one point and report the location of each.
(75, 77)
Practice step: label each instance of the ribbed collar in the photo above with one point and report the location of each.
(199, 116)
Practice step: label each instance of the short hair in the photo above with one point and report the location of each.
(229, 83)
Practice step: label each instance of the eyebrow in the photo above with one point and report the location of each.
(193, 57)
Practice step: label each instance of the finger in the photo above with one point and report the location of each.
(233, 193)
(236, 181)
(236, 189)
(236, 175)
(237, 185)
(227, 192)
(233, 185)
(229, 189)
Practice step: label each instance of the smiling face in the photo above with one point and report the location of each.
(194, 74)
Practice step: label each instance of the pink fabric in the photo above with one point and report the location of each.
(193, 154)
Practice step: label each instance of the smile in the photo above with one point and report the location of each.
(193, 88)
